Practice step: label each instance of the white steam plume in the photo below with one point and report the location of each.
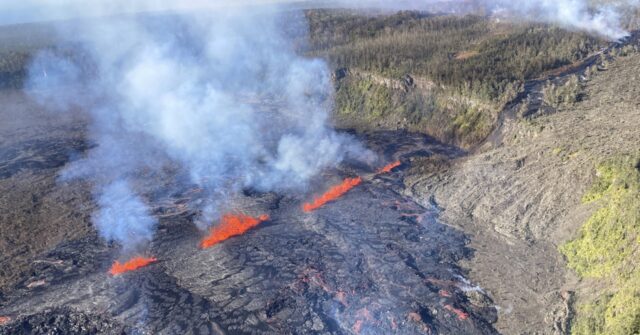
(178, 88)
(600, 17)
(597, 17)
(191, 89)
(123, 216)
(603, 19)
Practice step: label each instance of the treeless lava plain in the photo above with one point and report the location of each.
(370, 262)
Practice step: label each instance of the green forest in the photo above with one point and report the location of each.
(474, 65)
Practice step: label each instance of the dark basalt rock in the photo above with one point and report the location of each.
(372, 262)
(64, 321)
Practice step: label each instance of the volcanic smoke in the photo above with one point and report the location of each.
(389, 167)
(133, 264)
(231, 225)
(333, 193)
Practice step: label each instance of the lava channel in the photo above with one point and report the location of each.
(389, 167)
(231, 225)
(131, 265)
(333, 193)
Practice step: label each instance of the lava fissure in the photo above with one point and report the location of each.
(131, 265)
(333, 193)
(231, 225)
(387, 168)
(462, 315)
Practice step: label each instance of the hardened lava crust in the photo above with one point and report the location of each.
(371, 262)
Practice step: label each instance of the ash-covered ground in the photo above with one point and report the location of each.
(372, 262)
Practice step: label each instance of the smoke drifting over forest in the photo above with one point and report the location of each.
(179, 89)
(183, 89)
(574, 14)
(601, 17)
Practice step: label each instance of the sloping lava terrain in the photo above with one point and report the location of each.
(372, 262)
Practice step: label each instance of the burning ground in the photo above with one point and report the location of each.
(370, 261)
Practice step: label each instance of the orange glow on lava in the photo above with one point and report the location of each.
(460, 313)
(389, 167)
(333, 193)
(231, 225)
(4, 320)
(133, 264)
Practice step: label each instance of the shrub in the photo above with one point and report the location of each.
(562, 95)
(608, 249)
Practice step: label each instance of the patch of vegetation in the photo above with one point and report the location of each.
(563, 95)
(424, 45)
(364, 96)
(445, 116)
(18, 45)
(625, 51)
(608, 249)
(471, 125)
(630, 15)
(470, 61)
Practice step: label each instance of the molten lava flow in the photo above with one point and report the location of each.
(231, 225)
(333, 193)
(389, 167)
(460, 313)
(133, 264)
(4, 320)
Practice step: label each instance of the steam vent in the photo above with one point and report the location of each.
(344, 168)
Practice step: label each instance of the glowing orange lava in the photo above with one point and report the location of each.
(389, 167)
(231, 225)
(333, 193)
(4, 320)
(460, 313)
(133, 264)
